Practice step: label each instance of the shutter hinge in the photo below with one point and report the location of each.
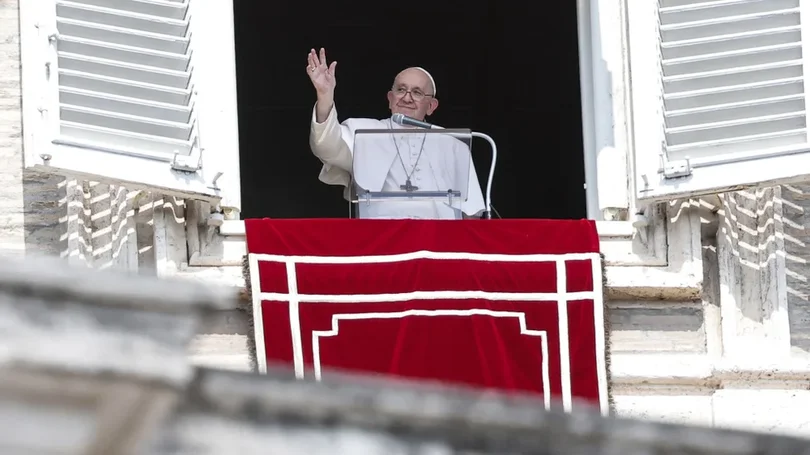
(187, 163)
(675, 169)
(191, 162)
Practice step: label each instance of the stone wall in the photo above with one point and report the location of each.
(32, 205)
(99, 360)
(796, 209)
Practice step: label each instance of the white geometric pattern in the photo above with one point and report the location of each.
(562, 297)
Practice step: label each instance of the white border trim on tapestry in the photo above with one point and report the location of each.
(521, 317)
(294, 298)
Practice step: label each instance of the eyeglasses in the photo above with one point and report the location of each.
(416, 94)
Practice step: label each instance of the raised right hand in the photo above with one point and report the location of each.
(321, 75)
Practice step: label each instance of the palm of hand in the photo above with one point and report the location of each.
(323, 80)
(321, 75)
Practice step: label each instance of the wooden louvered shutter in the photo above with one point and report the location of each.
(719, 95)
(119, 96)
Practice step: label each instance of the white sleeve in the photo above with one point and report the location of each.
(331, 142)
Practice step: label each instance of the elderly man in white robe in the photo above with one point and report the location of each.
(414, 95)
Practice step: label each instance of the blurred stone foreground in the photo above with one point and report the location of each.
(96, 363)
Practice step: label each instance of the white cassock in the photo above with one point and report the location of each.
(333, 144)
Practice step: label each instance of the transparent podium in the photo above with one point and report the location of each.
(410, 173)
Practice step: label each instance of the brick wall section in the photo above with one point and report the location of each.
(31, 204)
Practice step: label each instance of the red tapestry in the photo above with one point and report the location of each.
(513, 305)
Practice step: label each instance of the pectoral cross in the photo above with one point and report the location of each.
(408, 186)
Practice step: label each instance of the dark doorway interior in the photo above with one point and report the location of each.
(507, 68)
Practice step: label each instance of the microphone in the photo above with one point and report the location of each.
(404, 120)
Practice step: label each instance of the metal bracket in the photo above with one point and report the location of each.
(675, 169)
(191, 162)
(213, 184)
(186, 163)
(640, 221)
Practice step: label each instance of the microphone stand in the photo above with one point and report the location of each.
(487, 215)
(405, 120)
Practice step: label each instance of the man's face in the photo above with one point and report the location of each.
(412, 95)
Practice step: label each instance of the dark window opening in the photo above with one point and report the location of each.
(508, 69)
